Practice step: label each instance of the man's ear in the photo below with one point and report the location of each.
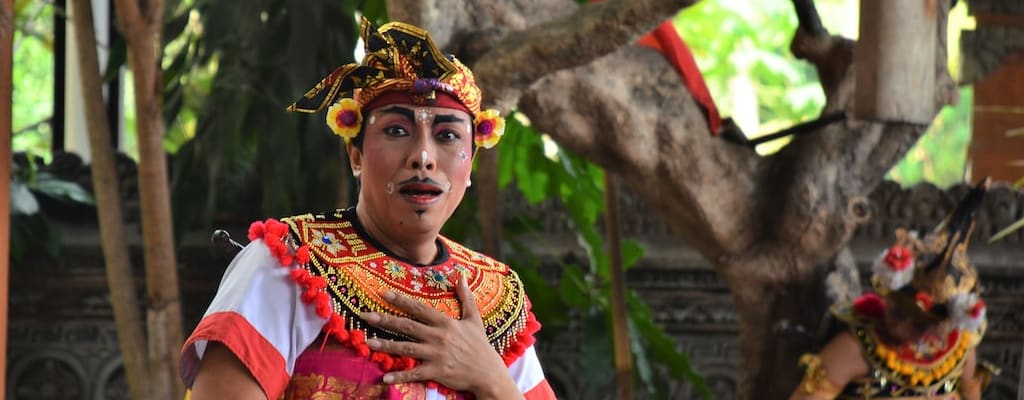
(355, 159)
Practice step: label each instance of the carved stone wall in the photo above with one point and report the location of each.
(62, 341)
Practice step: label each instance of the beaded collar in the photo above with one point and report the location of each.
(357, 270)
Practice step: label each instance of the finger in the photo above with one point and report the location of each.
(403, 348)
(414, 308)
(407, 326)
(417, 374)
(469, 307)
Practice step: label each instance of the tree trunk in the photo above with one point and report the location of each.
(489, 202)
(768, 223)
(6, 128)
(123, 298)
(141, 23)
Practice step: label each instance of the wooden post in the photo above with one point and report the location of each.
(6, 127)
(895, 61)
(620, 316)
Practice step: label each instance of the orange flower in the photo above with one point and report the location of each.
(345, 119)
(489, 126)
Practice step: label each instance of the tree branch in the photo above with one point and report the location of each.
(593, 31)
(807, 15)
(128, 13)
(827, 176)
(649, 130)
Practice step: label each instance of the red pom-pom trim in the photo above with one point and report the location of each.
(256, 230)
(302, 255)
(273, 232)
(869, 305)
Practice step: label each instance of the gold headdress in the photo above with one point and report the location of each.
(932, 276)
(399, 58)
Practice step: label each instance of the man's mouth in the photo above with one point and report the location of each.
(421, 193)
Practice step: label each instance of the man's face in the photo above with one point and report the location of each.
(414, 166)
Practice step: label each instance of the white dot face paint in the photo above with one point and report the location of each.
(423, 158)
(373, 118)
(423, 115)
(462, 155)
(390, 188)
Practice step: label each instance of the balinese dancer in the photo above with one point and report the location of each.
(915, 336)
(371, 302)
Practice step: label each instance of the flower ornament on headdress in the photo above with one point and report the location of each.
(345, 119)
(932, 277)
(895, 268)
(968, 311)
(399, 58)
(488, 128)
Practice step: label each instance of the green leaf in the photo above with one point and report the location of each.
(376, 11)
(641, 362)
(597, 362)
(61, 189)
(117, 56)
(632, 253)
(661, 347)
(174, 26)
(573, 287)
(1007, 231)
(23, 202)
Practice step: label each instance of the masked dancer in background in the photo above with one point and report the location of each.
(915, 336)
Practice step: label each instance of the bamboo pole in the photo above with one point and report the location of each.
(123, 297)
(6, 126)
(620, 329)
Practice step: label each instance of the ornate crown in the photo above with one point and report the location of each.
(403, 58)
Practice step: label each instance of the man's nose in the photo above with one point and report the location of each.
(423, 159)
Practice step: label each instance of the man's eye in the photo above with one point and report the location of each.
(395, 131)
(448, 136)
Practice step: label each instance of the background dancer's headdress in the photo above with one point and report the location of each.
(931, 277)
(402, 64)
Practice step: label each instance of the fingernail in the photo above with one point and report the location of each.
(370, 317)
(388, 378)
(373, 343)
(388, 295)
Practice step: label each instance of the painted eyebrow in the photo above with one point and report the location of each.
(447, 118)
(405, 112)
(411, 116)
